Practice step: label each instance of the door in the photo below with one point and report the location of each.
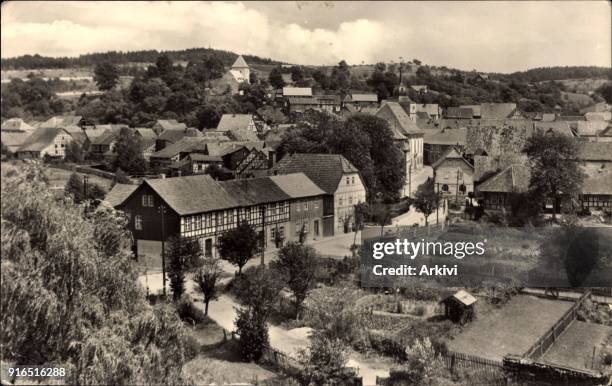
(208, 248)
(316, 228)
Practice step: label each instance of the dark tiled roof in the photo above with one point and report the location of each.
(446, 137)
(107, 137)
(595, 151)
(496, 110)
(514, 178)
(363, 98)
(451, 153)
(459, 113)
(146, 133)
(192, 194)
(597, 182)
(406, 125)
(297, 185)
(325, 170)
(204, 157)
(41, 138)
(254, 191)
(119, 193)
(184, 145)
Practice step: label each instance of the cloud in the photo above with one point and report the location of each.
(499, 36)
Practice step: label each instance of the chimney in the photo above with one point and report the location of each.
(271, 158)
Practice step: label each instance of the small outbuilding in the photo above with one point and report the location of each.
(459, 307)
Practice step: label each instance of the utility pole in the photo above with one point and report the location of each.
(457, 188)
(85, 178)
(263, 230)
(410, 180)
(437, 191)
(162, 210)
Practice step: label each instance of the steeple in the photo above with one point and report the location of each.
(240, 63)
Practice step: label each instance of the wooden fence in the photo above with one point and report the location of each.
(455, 360)
(550, 337)
(288, 365)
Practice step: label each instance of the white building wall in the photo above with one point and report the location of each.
(350, 192)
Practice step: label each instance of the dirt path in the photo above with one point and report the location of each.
(223, 312)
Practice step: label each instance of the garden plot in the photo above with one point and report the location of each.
(511, 329)
(579, 346)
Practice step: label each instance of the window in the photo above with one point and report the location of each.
(348, 180)
(462, 188)
(138, 222)
(147, 200)
(340, 201)
(297, 207)
(350, 199)
(306, 205)
(445, 188)
(353, 180)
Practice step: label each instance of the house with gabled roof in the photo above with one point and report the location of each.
(497, 189)
(16, 125)
(339, 179)
(359, 101)
(237, 122)
(167, 124)
(438, 142)
(12, 140)
(170, 136)
(297, 92)
(198, 207)
(406, 134)
(500, 111)
(453, 175)
(45, 141)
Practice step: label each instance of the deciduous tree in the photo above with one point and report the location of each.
(426, 199)
(106, 76)
(554, 168)
(182, 256)
(299, 265)
(238, 245)
(206, 278)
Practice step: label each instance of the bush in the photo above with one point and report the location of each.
(188, 312)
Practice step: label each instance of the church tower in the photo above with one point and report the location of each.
(240, 69)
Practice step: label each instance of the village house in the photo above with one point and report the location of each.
(16, 125)
(406, 134)
(496, 191)
(198, 207)
(297, 92)
(339, 179)
(459, 113)
(476, 114)
(419, 110)
(500, 111)
(162, 125)
(103, 144)
(453, 175)
(12, 140)
(45, 141)
(170, 136)
(357, 102)
(236, 122)
(438, 142)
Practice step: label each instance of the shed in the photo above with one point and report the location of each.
(459, 307)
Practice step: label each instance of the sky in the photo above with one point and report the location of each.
(486, 36)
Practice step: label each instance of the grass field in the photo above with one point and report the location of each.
(574, 347)
(59, 177)
(511, 329)
(219, 362)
